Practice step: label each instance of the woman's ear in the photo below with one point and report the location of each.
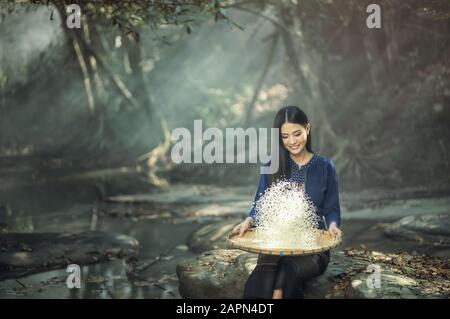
(308, 128)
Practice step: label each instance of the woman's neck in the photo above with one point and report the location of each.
(302, 158)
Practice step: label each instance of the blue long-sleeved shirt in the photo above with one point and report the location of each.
(321, 185)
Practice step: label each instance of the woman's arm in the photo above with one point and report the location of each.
(243, 227)
(331, 206)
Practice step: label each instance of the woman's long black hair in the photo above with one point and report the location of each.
(288, 114)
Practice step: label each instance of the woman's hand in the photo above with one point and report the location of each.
(243, 227)
(334, 231)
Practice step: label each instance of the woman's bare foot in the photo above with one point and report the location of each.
(277, 294)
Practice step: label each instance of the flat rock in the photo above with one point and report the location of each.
(389, 209)
(22, 254)
(189, 194)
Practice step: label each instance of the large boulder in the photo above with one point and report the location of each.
(431, 230)
(218, 273)
(222, 273)
(22, 254)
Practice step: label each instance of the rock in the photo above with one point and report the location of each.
(431, 230)
(391, 286)
(222, 273)
(212, 236)
(22, 254)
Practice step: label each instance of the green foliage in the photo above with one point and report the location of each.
(131, 15)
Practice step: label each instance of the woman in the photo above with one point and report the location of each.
(284, 277)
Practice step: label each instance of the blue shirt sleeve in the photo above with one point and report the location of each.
(261, 188)
(331, 207)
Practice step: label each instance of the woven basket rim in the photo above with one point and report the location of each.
(288, 251)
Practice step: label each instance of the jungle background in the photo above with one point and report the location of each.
(87, 115)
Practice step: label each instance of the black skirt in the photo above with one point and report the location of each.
(289, 273)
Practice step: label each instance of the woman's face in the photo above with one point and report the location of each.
(294, 137)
